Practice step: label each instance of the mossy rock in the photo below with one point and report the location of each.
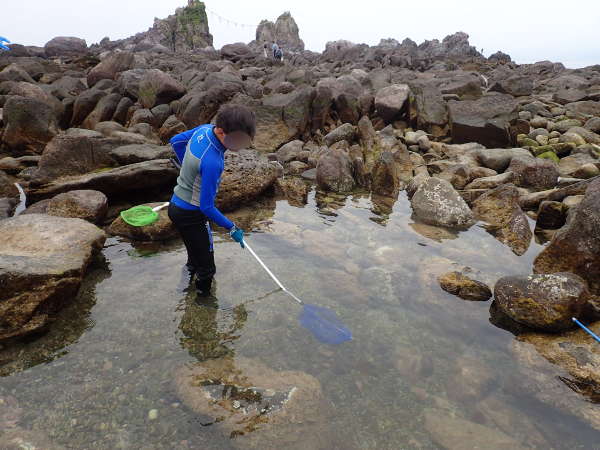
(550, 155)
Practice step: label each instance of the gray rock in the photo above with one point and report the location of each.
(499, 159)
(289, 151)
(436, 202)
(29, 124)
(156, 88)
(334, 171)
(83, 204)
(491, 182)
(534, 172)
(110, 67)
(65, 46)
(43, 260)
(345, 132)
(390, 101)
(161, 230)
(135, 153)
(486, 120)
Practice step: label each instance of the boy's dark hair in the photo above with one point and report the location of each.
(237, 118)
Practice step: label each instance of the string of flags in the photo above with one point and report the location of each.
(229, 22)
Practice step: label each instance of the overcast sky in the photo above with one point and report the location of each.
(528, 30)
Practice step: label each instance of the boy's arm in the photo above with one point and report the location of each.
(179, 142)
(210, 181)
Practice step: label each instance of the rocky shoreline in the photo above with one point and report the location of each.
(84, 131)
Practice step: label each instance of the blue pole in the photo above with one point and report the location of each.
(586, 329)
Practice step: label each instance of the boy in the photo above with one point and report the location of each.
(201, 153)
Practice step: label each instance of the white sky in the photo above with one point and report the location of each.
(528, 30)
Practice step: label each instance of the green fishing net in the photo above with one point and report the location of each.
(139, 216)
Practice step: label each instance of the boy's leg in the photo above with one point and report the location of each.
(196, 235)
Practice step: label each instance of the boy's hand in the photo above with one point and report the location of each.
(237, 234)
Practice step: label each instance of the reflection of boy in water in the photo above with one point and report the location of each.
(209, 331)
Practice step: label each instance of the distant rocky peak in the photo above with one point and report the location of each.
(284, 32)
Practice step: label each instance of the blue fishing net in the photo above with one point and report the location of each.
(324, 325)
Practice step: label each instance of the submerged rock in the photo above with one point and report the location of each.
(543, 302)
(42, 262)
(257, 406)
(555, 369)
(506, 220)
(465, 287)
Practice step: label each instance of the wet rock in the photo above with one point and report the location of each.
(110, 67)
(575, 248)
(486, 120)
(294, 189)
(7, 186)
(534, 172)
(135, 153)
(571, 166)
(157, 88)
(18, 438)
(65, 46)
(85, 204)
(29, 124)
(247, 174)
(139, 176)
(532, 201)
(545, 302)
(390, 101)
(506, 220)
(471, 380)
(345, 132)
(551, 215)
(436, 202)
(334, 171)
(552, 367)
(463, 286)
(43, 260)
(256, 405)
(161, 230)
(453, 433)
(385, 178)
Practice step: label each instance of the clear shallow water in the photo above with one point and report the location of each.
(109, 359)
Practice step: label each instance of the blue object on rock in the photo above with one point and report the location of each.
(586, 329)
(3, 42)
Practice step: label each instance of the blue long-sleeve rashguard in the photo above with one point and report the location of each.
(202, 158)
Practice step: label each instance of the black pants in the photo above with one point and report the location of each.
(197, 237)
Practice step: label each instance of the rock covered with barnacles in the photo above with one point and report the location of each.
(256, 406)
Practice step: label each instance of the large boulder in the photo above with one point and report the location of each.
(30, 124)
(334, 171)
(385, 177)
(156, 88)
(42, 262)
(161, 230)
(436, 202)
(133, 177)
(506, 220)
(237, 52)
(85, 104)
(135, 153)
(247, 174)
(110, 67)
(65, 46)
(83, 204)
(575, 248)
(430, 109)
(546, 302)
(486, 120)
(69, 155)
(390, 101)
(289, 151)
(103, 111)
(259, 406)
(7, 186)
(516, 85)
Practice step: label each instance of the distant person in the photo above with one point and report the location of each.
(279, 54)
(265, 49)
(275, 47)
(3, 42)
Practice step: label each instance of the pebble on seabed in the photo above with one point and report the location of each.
(153, 414)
